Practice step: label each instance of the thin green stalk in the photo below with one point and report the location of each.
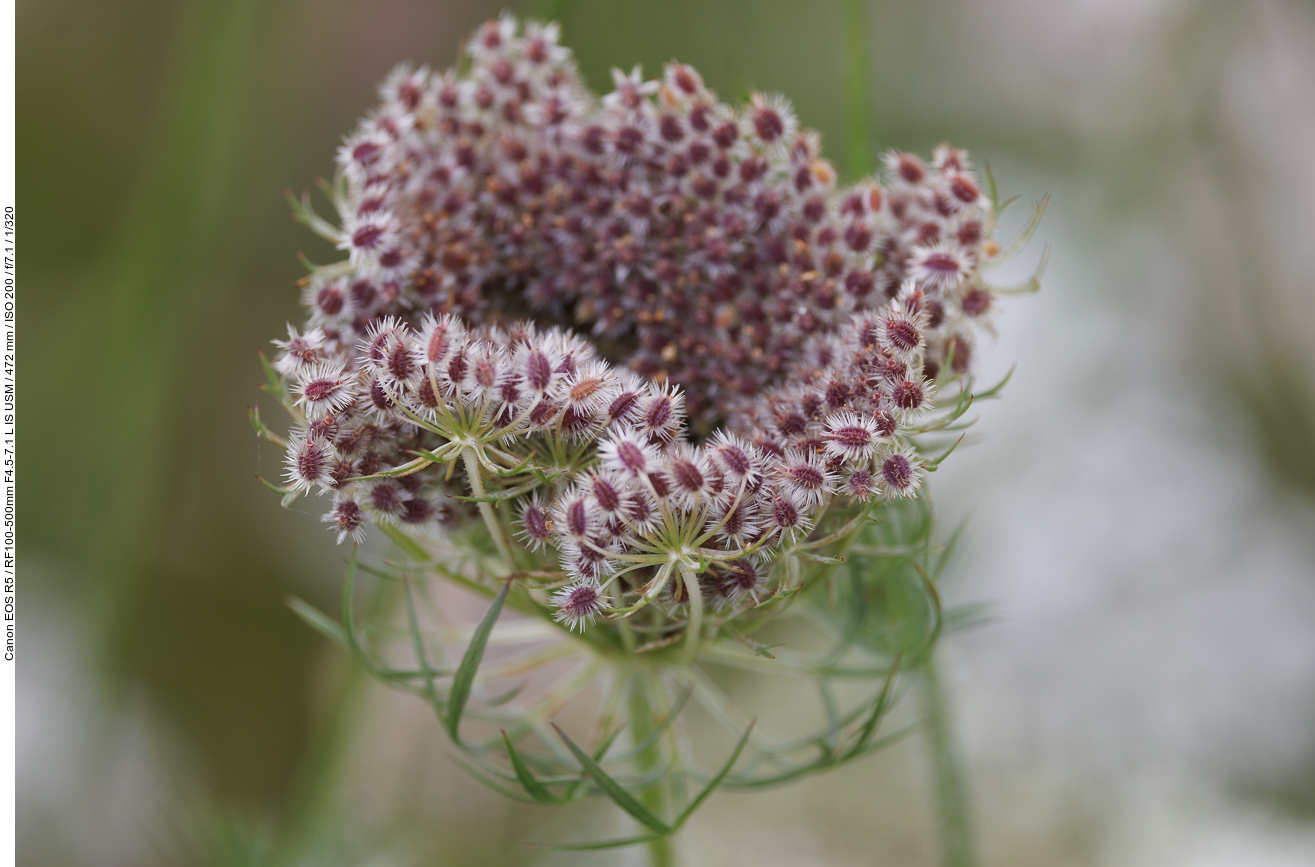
(655, 795)
(951, 798)
(856, 86)
(695, 628)
(486, 509)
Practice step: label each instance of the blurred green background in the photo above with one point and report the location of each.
(170, 703)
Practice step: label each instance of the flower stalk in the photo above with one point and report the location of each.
(645, 697)
(951, 797)
(491, 523)
(695, 628)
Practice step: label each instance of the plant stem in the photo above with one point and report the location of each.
(695, 627)
(655, 796)
(856, 86)
(486, 509)
(661, 853)
(951, 799)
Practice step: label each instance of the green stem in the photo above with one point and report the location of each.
(951, 799)
(856, 86)
(486, 509)
(655, 796)
(695, 627)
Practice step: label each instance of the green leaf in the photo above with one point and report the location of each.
(603, 747)
(613, 789)
(601, 844)
(531, 783)
(948, 549)
(405, 542)
(967, 616)
(465, 676)
(882, 743)
(349, 615)
(273, 377)
(935, 464)
(716, 781)
(319, 621)
(657, 732)
(305, 214)
(437, 456)
(499, 496)
(606, 743)
(879, 706)
(995, 389)
(253, 413)
(488, 780)
(359, 650)
(405, 469)
(276, 384)
(758, 647)
(515, 470)
(418, 644)
(503, 698)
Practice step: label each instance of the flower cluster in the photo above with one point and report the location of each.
(761, 345)
(698, 243)
(650, 492)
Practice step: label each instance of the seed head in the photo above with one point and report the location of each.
(653, 312)
(577, 604)
(901, 474)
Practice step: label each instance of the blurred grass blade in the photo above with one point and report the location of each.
(856, 87)
(613, 789)
(465, 676)
(160, 266)
(319, 621)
